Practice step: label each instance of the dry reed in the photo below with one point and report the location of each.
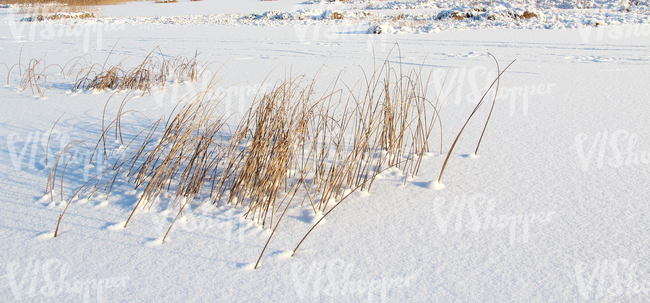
(292, 146)
(156, 70)
(35, 76)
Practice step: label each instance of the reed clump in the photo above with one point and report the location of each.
(153, 71)
(294, 145)
(35, 75)
(156, 70)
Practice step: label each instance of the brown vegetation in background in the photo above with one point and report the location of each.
(45, 7)
(154, 71)
(66, 2)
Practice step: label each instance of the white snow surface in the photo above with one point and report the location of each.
(555, 207)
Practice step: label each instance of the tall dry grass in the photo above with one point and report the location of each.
(295, 145)
(154, 71)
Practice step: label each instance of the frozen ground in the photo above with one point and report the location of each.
(555, 208)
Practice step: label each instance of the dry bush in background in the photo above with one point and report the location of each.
(44, 8)
(156, 70)
(66, 2)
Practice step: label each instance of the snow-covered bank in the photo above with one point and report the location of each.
(424, 17)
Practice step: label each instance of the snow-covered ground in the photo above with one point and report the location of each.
(555, 208)
(392, 16)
